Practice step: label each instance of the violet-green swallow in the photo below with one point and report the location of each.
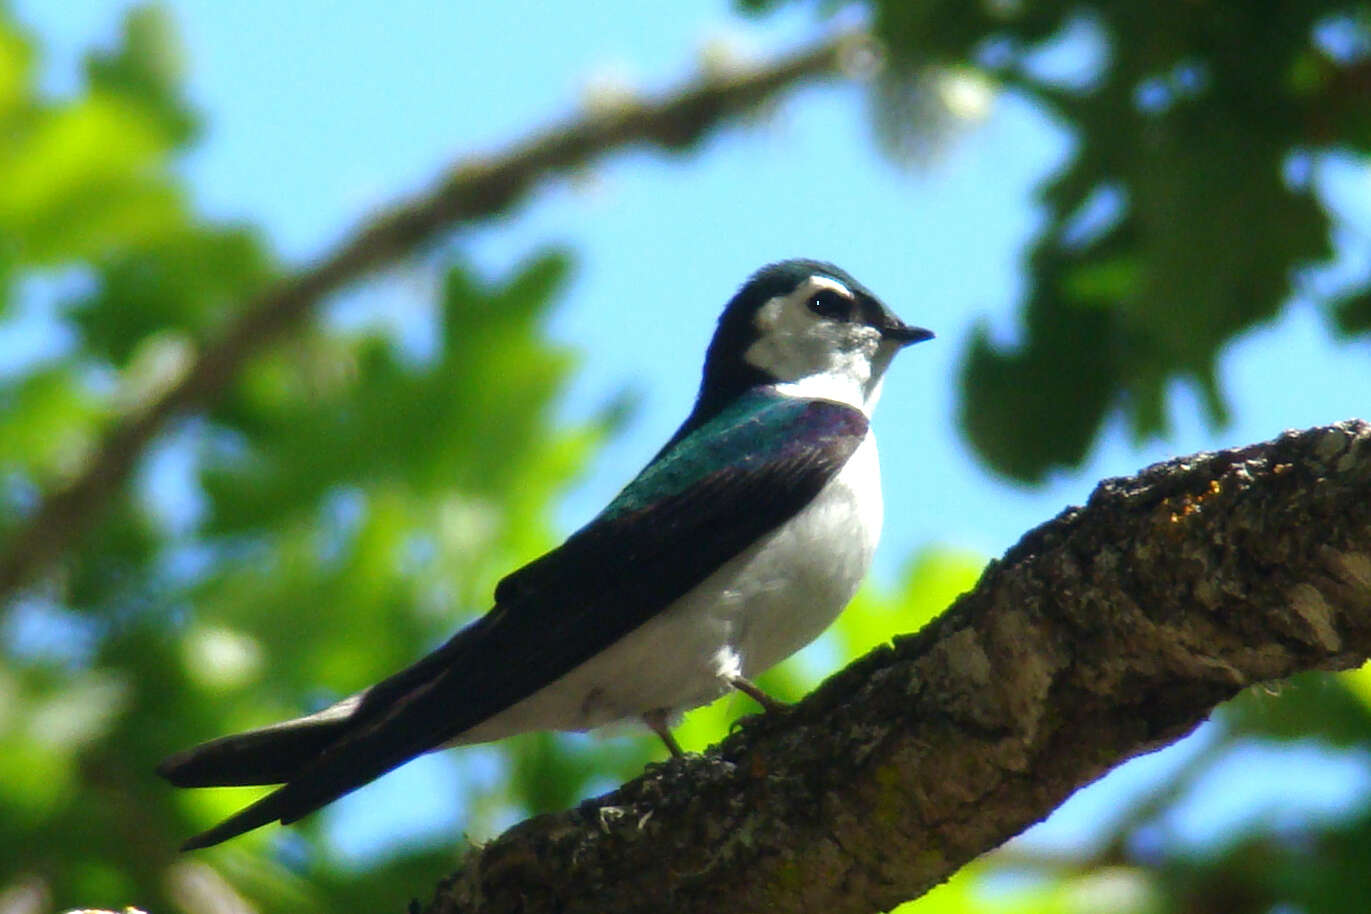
(738, 544)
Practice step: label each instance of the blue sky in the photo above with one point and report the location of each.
(317, 111)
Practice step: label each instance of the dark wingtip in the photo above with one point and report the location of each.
(208, 838)
(196, 843)
(170, 768)
(268, 755)
(266, 810)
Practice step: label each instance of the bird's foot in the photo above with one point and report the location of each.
(751, 690)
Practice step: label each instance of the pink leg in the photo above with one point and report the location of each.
(750, 689)
(656, 722)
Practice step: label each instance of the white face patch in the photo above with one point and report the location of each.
(816, 356)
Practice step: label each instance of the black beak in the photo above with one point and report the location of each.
(904, 334)
(891, 327)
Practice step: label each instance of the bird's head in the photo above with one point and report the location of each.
(810, 329)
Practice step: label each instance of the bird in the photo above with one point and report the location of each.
(741, 540)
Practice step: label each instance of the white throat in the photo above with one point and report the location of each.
(840, 387)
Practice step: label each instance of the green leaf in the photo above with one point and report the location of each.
(146, 68)
(188, 280)
(16, 72)
(1352, 313)
(1029, 409)
(82, 181)
(48, 421)
(1192, 119)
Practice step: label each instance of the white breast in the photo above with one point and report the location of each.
(806, 572)
(756, 610)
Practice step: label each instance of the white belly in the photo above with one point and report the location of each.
(756, 610)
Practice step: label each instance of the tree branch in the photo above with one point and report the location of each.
(1107, 632)
(476, 189)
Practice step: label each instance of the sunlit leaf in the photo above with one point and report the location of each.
(82, 182)
(16, 58)
(48, 420)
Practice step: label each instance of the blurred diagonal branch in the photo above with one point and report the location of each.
(1107, 632)
(478, 188)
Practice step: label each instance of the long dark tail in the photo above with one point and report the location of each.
(277, 754)
(325, 755)
(269, 755)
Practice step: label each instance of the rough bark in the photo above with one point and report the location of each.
(1105, 633)
(476, 189)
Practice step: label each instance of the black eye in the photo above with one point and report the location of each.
(832, 305)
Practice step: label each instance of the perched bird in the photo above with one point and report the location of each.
(738, 544)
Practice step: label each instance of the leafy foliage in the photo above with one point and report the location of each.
(349, 498)
(1183, 215)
